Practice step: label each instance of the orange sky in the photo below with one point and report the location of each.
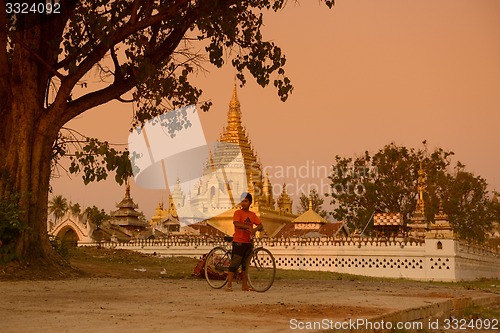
(365, 74)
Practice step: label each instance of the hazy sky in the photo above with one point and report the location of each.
(366, 73)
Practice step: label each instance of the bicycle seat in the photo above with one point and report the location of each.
(228, 239)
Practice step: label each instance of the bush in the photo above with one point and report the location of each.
(59, 246)
(10, 227)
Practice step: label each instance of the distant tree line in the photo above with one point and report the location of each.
(58, 206)
(387, 182)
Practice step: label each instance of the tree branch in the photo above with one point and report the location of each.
(35, 55)
(102, 48)
(133, 15)
(119, 87)
(96, 98)
(118, 71)
(125, 100)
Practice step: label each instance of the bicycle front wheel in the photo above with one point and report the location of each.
(217, 267)
(261, 269)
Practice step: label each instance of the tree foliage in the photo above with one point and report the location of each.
(387, 182)
(317, 203)
(90, 157)
(470, 208)
(58, 206)
(96, 216)
(75, 208)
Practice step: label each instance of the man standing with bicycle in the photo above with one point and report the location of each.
(244, 221)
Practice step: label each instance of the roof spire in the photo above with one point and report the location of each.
(284, 201)
(421, 188)
(211, 160)
(127, 189)
(440, 215)
(234, 113)
(236, 136)
(235, 103)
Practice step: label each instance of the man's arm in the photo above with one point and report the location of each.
(243, 226)
(248, 227)
(258, 228)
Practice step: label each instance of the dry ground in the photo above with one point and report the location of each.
(119, 291)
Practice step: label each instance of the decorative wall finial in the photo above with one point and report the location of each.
(421, 188)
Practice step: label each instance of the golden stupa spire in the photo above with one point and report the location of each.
(266, 179)
(284, 195)
(234, 115)
(421, 188)
(234, 103)
(440, 215)
(284, 201)
(211, 160)
(235, 134)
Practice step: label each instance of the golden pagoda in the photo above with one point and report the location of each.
(215, 193)
(167, 220)
(127, 215)
(309, 219)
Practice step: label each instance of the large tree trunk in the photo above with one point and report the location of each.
(28, 133)
(28, 175)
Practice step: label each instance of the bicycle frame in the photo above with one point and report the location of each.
(261, 267)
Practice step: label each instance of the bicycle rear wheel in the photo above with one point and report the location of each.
(217, 266)
(261, 269)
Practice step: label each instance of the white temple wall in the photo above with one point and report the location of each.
(440, 258)
(434, 259)
(475, 261)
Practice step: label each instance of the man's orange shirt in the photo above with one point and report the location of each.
(246, 217)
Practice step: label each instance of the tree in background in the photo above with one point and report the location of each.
(146, 47)
(58, 206)
(468, 204)
(317, 203)
(495, 230)
(75, 208)
(96, 215)
(387, 182)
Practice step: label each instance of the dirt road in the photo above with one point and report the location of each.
(189, 305)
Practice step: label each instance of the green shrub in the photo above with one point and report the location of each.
(59, 246)
(10, 227)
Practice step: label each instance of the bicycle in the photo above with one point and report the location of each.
(261, 267)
